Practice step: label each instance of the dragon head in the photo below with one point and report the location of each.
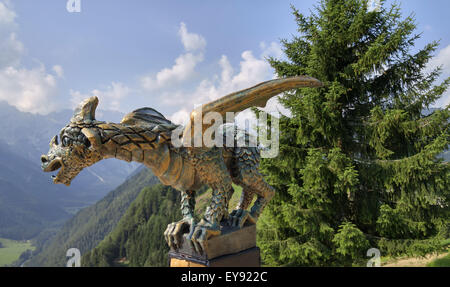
(74, 149)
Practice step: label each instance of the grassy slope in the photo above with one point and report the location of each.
(202, 201)
(444, 261)
(440, 262)
(12, 249)
(431, 260)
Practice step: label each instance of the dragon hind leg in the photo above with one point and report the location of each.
(239, 216)
(255, 184)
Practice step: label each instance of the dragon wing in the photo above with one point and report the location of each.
(255, 96)
(145, 116)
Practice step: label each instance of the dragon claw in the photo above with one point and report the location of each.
(239, 217)
(202, 232)
(175, 230)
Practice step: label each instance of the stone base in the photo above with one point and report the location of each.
(247, 258)
(234, 247)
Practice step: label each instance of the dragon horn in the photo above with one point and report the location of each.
(85, 112)
(54, 141)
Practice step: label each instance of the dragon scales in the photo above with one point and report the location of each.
(145, 136)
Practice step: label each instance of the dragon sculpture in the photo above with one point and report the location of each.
(145, 136)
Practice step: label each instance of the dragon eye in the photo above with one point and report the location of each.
(86, 142)
(66, 141)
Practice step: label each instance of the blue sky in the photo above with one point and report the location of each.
(168, 55)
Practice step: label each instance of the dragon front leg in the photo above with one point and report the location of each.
(174, 231)
(217, 211)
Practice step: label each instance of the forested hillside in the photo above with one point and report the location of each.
(90, 225)
(138, 236)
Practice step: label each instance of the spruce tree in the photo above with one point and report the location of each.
(359, 163)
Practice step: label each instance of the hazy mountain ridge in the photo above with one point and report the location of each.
(23, 213)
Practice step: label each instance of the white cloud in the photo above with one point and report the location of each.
(273, 50)
(77, 97)
(7, 15)
(442, 59)
(11, 50)
(191, 41)
(59, 71)
(184, 66)
(28, 89)
(181, 117)
(444, 101)
(252, 71)
(110, 97)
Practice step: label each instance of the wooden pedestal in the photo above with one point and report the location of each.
(233, 248)
(246, 258)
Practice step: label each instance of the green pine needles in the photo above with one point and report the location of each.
(359, 162)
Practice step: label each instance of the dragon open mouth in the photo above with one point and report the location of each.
(55, 165)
